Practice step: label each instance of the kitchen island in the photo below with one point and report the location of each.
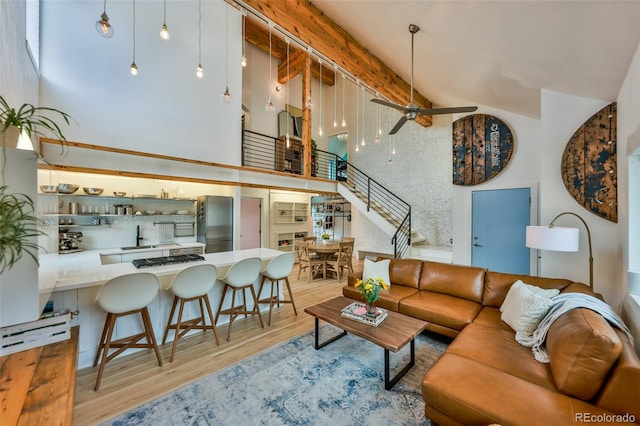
(72, 282)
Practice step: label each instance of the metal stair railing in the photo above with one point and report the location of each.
(267, 152)
(394, 209)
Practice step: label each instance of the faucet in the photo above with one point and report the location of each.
(138, 237)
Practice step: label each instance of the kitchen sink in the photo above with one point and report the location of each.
(138, 247)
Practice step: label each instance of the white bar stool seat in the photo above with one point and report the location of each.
(240, 276)
(121, 296)
(191, 284)
(278, 269)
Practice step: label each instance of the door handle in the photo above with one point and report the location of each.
(476, 245)
(475, 241)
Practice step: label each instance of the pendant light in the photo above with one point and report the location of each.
(363, 142)
(287, 137)
(357, 116)
(391, 151)
(199, 68)
(243, 61)
(309, 102)
(103, 27)
(164, 32)
(134, 68)
(379, 131)
(269, 107)
(226, 95)
(344, 122)
(320, 130)
(335, 97)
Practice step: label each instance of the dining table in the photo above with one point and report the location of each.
(324, 252)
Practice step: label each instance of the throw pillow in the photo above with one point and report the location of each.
(518, 285)
(374, 270)
(524, 308)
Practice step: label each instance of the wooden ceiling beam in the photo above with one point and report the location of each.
(311, 26)
(258, 35)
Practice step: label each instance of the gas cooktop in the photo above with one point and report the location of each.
(166, 260)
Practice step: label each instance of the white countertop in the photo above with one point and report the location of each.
(84, 269)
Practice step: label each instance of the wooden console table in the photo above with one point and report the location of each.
(37, 386)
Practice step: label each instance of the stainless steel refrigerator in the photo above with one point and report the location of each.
(215, 223)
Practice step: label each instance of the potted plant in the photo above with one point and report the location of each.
(325, 238)
(19, 225)
(30, 119)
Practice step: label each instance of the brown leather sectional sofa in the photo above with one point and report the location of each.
(486, 377)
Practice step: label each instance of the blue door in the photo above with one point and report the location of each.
(499, 221)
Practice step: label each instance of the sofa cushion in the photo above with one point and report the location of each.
(466, 282)
(497, 347)
(497, 284)
(442, 309)
(388, 299)
(582, 348)
(474, 393)
(405, 272)
(491, 317)
(525, 306)
(379, 269)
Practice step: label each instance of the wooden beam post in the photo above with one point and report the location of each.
(306, 114)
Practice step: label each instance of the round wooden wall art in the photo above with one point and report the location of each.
(589, 167)
(482, 147)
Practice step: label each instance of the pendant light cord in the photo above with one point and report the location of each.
(134, 31)
(164, 19)
(199, 32)
(226, 37)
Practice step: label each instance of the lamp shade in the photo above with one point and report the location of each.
(553, 238)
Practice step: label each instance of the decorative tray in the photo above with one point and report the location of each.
(357, 311)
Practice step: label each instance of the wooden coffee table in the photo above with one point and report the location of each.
(392, 334)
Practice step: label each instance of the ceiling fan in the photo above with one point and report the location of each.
(412, 110)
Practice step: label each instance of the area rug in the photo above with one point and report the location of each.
(294, 384)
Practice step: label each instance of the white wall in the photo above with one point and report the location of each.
(561, 116)
(166, 109)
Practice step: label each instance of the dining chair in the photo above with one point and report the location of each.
(342, 259)
(278, 269)
(306, 260)
(311, 239)
(189, 285)
(240, 277)
(122, 296)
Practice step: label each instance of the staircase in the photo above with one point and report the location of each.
(385, 209)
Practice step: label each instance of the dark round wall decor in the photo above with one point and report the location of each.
(482, 147)
(589, 166)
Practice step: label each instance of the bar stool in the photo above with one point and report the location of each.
(240, 276)
(121, 296)
(191, 284)
(278, 269)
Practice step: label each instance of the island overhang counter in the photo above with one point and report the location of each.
(72, 282)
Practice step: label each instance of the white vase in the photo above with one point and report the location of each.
(325, 242)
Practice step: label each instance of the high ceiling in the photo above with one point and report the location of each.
(499, 54)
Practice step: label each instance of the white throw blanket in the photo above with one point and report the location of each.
(563, 303)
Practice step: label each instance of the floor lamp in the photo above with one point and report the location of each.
(556, 238)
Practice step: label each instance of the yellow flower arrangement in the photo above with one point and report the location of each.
(325, 236)
(371, 288)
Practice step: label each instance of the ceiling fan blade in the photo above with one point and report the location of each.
(399, 124)
(452, 110)
(390, 104)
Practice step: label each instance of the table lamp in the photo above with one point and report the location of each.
(557, 238)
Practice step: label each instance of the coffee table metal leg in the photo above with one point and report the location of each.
(388, 384)
(319, 345)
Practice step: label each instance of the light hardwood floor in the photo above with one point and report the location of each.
(131, 380)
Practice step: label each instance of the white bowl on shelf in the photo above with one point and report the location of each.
(151, 212)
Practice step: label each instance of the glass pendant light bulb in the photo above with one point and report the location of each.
(344, 123)
(357, 148)
(226, 96)
(199, 71)
(389, 161)
(164, 33)
(103, 27)
(320, 130)
(335, 123)
(243, 61)
(309, 103)
(363, 143)
(393, 151)
(269, 107)
(287, 139)
(133, 68)
(377, 139)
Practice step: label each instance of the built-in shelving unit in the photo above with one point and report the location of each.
(291, 212)
(331, 215)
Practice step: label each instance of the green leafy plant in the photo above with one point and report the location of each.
(32, 120)
(18, 227)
